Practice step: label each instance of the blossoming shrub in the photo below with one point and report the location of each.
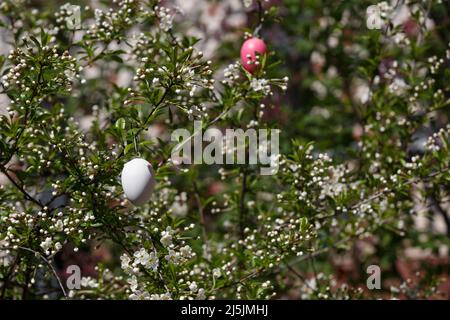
(363, 174)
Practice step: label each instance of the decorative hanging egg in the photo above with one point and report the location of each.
(249, 50)
(138, 181)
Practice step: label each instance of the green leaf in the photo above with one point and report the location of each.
(36, 42)
(44, 38)
(128, 148)
(120, 124)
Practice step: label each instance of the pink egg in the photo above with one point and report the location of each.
(249, 50)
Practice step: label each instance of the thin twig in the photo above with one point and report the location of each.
(20, 187)
(200, 212)
(38, 254)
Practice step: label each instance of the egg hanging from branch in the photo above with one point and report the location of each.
(250, 50)
(138, 181)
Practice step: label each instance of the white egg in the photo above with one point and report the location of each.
(138, 181)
